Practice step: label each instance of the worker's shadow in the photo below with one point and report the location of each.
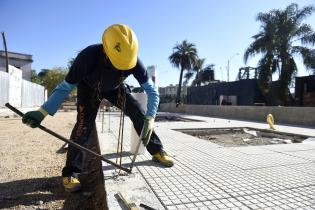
(138, 162)
(29, 192)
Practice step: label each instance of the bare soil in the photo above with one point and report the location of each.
(240, 138)
(30, 168)
(237, 139)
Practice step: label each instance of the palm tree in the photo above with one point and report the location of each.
(205, 75)
(283, 35)
(198, 66)
(202, 74)
(183, 57)
(188, 76)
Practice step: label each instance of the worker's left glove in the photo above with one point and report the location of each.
(34, 118)
(147, 129)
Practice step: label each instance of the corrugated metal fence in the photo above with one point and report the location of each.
(4, 88)
(31, 95)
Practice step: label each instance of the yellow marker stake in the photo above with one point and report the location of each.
(271, 121)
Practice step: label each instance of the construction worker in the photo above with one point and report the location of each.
(98, 72)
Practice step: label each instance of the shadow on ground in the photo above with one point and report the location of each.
(48, 193)
(30, 192)
(137, 163)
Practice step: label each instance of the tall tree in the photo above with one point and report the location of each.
(187, 77)
(35, 78)
(198, 66)
(204, 76)
(51, 78)
(184, 57)
(283, 36)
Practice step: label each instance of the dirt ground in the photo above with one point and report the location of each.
(31, 163)
(239, 138)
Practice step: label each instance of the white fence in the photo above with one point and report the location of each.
(32, 94)
(4, 88)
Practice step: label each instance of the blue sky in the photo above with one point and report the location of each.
(54, 31)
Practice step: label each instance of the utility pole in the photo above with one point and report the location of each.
(228, 74)
(6, 52)
(228, 66)
(228, 71)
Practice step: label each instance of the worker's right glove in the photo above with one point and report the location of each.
(147, 129)
(34, 118)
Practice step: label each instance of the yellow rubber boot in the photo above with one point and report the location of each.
(71, 184)
(163, 158)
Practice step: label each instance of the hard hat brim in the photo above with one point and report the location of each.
(121, 65)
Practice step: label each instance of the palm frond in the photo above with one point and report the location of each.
(303, 30)
(279, 30)
(308, 39)
(308, 56)
(304, 13)
(258, 46)
(188, 76)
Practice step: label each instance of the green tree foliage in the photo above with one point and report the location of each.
(184, 57)
(283, 36)
(35, 78)
(198, 66)
(203, 74)
(51, 78)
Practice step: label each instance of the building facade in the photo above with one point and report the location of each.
(243, 92)
(305, 90)
(169, 93)
(18, 60)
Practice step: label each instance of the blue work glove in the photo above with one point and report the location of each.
(34, 118)
(147, 129)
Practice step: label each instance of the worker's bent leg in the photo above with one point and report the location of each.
(136, 114)
(87, 108)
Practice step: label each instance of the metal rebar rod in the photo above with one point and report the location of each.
(70, 142)
(102, 111)
(109, 119)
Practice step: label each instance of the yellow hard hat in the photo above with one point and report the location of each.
(121, 46)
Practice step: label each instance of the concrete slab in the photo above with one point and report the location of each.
(296, 198)
(209, 176)
(308, 168)
(289, 147)
(253, 150)
(134, 188)
(307, 154)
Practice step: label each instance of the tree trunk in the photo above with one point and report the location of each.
(284, 81)
(178, 98)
